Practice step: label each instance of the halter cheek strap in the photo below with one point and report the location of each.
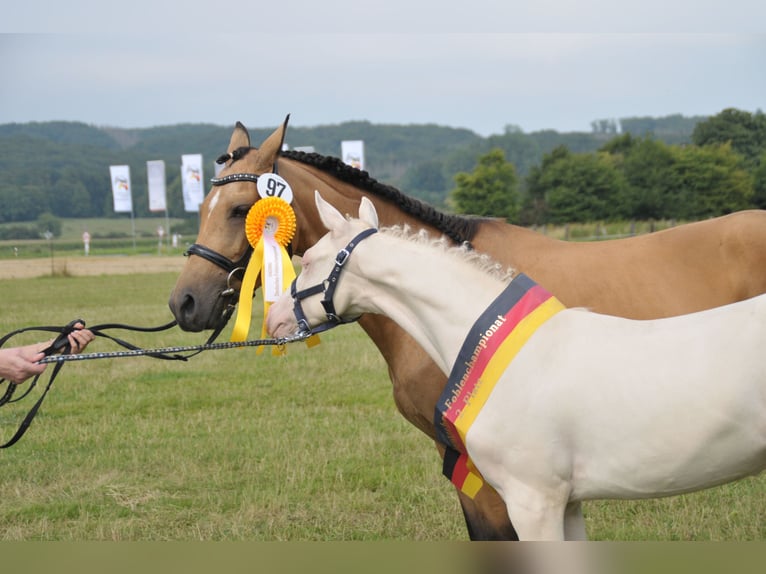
(326, 287)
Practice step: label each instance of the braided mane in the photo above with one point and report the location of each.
(481, 261)
(460, 229)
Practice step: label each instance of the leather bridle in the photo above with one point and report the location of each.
(327, 289)
(231, 267)
(218, 259)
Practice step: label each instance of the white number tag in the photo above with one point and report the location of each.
(272, 185)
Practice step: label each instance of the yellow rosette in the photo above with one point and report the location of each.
(269, 226)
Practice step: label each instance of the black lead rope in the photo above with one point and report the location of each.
(61, 345)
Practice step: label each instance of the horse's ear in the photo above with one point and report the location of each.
(331, 217)
(367, 213)
(239, 138)
(270, 149)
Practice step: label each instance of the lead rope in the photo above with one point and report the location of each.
(164, 350)
(61, 344)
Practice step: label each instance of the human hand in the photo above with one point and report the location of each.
(17, 364)
(79, 338)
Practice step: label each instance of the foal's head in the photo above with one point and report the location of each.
(317, 266)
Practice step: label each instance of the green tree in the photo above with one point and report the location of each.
(745, 131)
(48, 222)
(534, 207)
(759, 184)
(708, 181)
(21, 202)
(578, 187)
(69, 197)
(427, 181)
(647, 167)
(490, 190)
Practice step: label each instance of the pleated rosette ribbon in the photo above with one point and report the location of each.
(270, 226)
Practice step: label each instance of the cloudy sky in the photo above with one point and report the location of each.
(482, 65)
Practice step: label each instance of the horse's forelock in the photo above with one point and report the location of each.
(234, 155)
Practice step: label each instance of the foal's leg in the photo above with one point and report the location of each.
(535, 515)
(574, 522)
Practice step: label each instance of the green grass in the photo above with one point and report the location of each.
(234, 446)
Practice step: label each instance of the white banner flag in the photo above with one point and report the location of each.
(352, 153)
(155, 175)
(123, 199)
(191, 181)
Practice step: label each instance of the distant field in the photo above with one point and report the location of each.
(234, 446)
(108, 237)
(77, 265)
(114, 237)
(72, 229)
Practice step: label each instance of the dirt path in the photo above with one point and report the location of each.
(93, 265)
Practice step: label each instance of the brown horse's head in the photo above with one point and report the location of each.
(204, 289)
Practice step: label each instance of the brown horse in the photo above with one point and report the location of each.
(680, 270)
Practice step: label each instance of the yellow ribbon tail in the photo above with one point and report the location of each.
(245, 306)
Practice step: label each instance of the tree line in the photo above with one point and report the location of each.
(722, 169)
(667, 167)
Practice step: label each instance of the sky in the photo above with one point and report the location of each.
(542, 64)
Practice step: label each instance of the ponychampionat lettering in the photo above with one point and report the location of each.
(494, 340)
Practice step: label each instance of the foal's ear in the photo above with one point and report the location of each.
(367, 213)
(331, 217)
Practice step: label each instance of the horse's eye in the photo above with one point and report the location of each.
(240, 211)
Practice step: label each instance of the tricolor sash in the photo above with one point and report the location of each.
(492, 343)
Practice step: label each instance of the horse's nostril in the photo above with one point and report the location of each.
(187, 309)
(182, 307)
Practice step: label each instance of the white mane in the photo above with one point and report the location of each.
(481, 261)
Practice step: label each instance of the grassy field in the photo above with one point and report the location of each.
(233, 446)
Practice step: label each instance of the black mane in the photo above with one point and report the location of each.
(458, 228)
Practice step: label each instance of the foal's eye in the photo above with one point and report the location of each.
(240, 212)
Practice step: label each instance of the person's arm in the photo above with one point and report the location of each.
(17, 364)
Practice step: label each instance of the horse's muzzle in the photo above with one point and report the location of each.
(193, 315)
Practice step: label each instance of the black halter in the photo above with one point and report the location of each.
(326, 287)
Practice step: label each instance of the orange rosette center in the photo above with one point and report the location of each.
(270, 215)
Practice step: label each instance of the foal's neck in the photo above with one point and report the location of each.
(434, 295)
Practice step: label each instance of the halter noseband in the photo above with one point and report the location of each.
(327, 288)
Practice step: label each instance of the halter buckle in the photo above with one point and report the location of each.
(342, 257)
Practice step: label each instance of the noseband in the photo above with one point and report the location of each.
(327, 288)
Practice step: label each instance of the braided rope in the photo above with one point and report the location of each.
(172, 350)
